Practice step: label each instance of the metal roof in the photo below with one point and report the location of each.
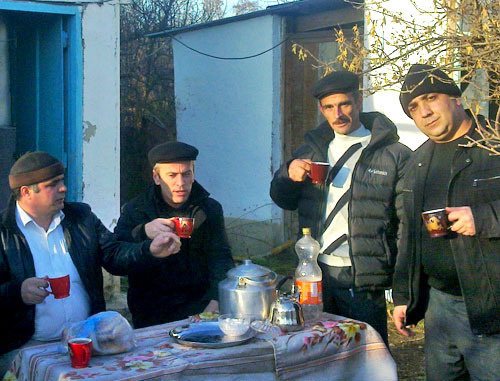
(294, 8)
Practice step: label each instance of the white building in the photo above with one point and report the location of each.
(243, 98)
(60, 92)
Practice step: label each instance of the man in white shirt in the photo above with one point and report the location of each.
(353, 215)
(44, 237)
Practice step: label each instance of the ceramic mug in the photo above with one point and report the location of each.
(59, 286)
(436, 222)
(80, 350)
(318, 172)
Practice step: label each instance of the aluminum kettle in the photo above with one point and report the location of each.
(249, 290)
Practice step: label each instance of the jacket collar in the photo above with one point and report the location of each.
(9, 215)
(383, 132)
(143, 202)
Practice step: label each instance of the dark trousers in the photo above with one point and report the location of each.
(161, 314)
(452, 351)
(366, 306)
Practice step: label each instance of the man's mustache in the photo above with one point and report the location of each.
(341, 120)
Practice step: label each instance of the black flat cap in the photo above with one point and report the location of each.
(336, 82)
(424, 79)
(34, 168)
(170, 152)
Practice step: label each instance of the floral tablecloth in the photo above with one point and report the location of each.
(332, 348)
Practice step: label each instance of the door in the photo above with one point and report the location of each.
(45, 60)
(38, 78)
(315, 33)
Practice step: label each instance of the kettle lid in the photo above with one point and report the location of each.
(250, 270)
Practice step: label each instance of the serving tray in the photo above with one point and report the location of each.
(207, 335)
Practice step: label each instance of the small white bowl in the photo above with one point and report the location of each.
(233, 325)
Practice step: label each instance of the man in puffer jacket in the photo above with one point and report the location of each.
(353, 215)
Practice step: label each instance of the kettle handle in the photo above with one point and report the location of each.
(282, 281)
(242, 281)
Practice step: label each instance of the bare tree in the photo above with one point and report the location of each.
(246, 6)
(461, 37)
(147, 80)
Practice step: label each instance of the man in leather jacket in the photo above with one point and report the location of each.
(354, 215)
(186, 283)
(41, 237)
(454, 280)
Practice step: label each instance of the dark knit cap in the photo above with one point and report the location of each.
(336, 82)
(170, 152)
(424, 79)
(33, 168)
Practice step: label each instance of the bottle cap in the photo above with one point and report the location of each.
(306, 231)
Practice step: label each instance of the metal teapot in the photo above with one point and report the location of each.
(249, 290)
(286, 312)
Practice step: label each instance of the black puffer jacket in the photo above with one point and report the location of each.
(188, 277)
(373, 221)
(90, 245)
(475, 182)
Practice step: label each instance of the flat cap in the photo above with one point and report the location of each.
(336, 82)
(170, 152)
(33, 168)
(425, 79)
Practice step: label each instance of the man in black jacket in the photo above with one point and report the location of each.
(452, 281)
(186, 283)
(43, 237)
(353, 215)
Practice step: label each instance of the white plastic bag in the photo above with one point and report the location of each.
(110, 332)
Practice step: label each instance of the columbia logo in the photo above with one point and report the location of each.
(377, 172)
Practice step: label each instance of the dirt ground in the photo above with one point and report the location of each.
(408, 353)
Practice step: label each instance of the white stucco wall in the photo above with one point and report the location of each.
(101, 110)
(230, 110)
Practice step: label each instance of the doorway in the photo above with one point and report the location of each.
(41, 97)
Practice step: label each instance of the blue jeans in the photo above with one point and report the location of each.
(452, 351)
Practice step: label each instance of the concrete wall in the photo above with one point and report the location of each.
(101, 110)
(230, 110)
(101, 119)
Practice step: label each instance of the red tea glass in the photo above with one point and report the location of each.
(183, 226)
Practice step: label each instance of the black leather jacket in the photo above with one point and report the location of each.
(373, 217)
(189, 278)
(475, 182)
(90, 245)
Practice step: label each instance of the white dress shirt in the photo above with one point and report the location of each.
(52, 259)
(341, 184)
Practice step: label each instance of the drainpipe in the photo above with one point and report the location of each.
(7, 131)
(5, 121)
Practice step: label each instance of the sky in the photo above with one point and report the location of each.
(262, 3)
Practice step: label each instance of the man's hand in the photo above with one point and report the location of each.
(157, 226)
(462, 220)
(399, 317)
(212, 306)
(165, 244)
(298, 169)
(32, 290)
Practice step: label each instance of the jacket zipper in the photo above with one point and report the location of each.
(349, 203)
(476, 182)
